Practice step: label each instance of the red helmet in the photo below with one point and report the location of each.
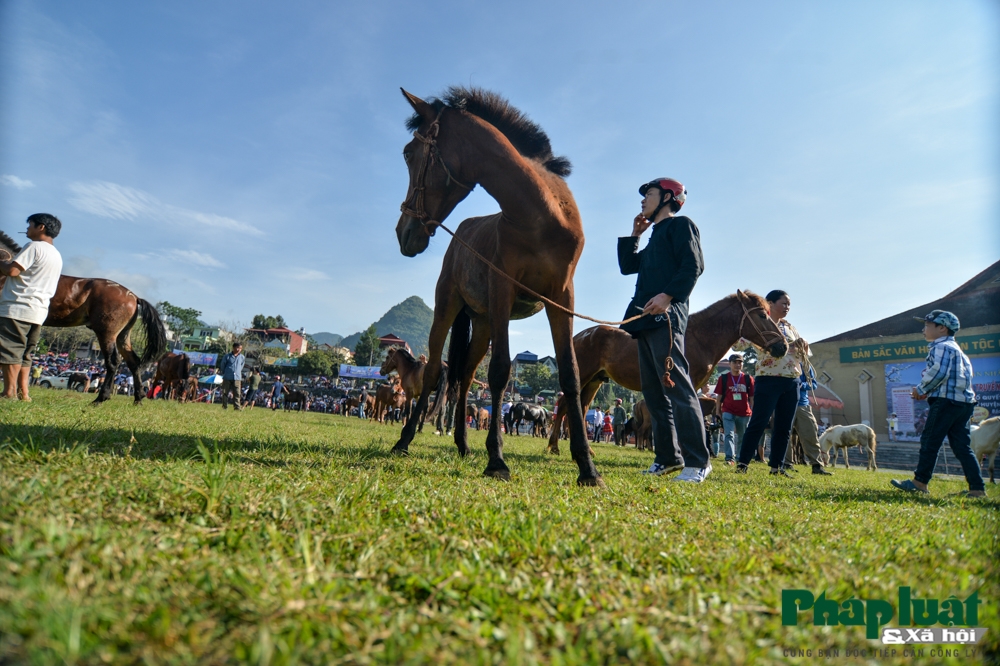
(675, 188)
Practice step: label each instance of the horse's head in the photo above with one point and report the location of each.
(389, 364)
(757, 327)
(435, 180)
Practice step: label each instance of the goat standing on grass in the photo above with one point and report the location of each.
(986, 440)
(844, 437)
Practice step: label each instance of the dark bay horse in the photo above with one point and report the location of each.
(110, 311)
(611, 353)
(173, 370)
(475, 137)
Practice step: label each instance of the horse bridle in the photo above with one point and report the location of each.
(432, 154)
(763, 334)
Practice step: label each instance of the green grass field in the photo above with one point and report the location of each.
(182, 533)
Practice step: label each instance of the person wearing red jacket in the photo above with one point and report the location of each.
(734, 405)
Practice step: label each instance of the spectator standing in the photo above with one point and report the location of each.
(362, 399)
(734, 404)
(946, 384)
(32, 279)
(668, 268)
(277, 392)
(776, 390)
(231, 369)
(36, 374)
(598, 424)
(253, 385)
(609, 428)
(618, 419)
(807, 428)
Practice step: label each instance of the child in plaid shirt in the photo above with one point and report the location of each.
(947, 386)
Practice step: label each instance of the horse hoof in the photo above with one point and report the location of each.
(502, 474)
(464, 451)
(554, 450)
(400, 450)
(591, 481)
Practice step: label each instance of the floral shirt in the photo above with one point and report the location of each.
(768, 366)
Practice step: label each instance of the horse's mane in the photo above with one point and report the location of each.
(407, 355)
(527, 137)
(9, 243)
(722, 304)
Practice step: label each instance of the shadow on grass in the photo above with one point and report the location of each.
(32, 440)
(890, 495)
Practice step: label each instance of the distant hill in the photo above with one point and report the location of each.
(410, 320)
(332, 339)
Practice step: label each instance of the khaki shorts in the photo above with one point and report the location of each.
(18, 340)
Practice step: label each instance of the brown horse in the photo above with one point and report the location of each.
(611, 353)
(411, 376)
(476, 137)
(173, 370)
(109, 310)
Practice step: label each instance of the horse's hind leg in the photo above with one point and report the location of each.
(132, 361)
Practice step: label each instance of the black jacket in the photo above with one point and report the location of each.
(669, 264)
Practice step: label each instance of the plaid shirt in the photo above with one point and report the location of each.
(948, 373)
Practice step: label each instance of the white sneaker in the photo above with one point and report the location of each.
(656, 469)
(693, 474)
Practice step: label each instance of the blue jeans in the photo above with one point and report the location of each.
(948, 418)
(734, 427)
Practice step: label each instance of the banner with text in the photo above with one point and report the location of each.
(359, 371)
(972, 345)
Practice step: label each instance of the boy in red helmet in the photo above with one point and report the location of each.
(668, 268)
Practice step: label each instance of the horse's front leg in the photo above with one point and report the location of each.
(478, 344)
(444, 314)
(561, 325)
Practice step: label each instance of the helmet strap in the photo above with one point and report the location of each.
(663, 202)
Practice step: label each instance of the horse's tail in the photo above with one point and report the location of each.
(156, 336)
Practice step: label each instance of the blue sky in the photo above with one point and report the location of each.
(245, 157)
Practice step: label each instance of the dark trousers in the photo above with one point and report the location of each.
(772, 395)
(678, 426)
(948, 418)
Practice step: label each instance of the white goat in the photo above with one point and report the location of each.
(986, 440)
(844, 437)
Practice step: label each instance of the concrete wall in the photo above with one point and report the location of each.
(861, 385)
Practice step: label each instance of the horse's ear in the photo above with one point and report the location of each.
(423, 109)
(740, 294)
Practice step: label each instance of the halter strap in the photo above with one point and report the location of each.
(432, 154)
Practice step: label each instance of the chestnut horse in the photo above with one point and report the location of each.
(611, 353)
(109, 310)
(411, 377)
(475, 137)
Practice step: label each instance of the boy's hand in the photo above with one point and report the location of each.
(639, 225)
(916, 395)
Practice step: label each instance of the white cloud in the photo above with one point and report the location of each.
(125, 203)
(14, 181)
(142, 285)
(196, 258)
(308, 274)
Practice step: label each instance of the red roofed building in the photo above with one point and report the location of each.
(391, 340)
(293, 342)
